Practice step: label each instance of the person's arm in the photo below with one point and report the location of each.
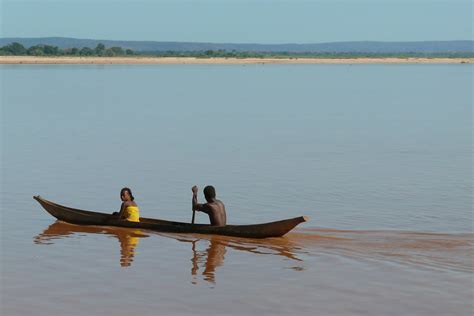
(196, 205)
(122, 214)
(119, 213)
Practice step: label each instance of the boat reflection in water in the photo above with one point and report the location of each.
(207, 261)
(128, 238)
(213, 256)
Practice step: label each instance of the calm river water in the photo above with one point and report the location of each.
(378, 156)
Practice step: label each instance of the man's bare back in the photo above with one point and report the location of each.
(214, 207)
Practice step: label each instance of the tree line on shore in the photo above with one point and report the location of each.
(17, 49)
(294, 55)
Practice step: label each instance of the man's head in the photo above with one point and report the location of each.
(209, 193)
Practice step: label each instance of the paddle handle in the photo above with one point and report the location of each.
(194, 201)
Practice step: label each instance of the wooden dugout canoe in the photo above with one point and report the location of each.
(76, 216)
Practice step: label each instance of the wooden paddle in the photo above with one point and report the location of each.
(194, 195)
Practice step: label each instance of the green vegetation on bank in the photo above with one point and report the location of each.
(291, 55)
(17, 49)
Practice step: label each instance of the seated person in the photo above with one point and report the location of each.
(129, 209)
(214, 208)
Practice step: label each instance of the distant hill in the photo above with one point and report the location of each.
(334, 47)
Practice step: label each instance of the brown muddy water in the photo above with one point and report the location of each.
(94, 270)
(378, 156)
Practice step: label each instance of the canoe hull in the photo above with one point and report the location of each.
(82, 217)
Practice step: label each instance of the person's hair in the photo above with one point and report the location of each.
(129, 192)
(209, 192)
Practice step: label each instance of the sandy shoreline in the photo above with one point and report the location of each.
(220, 60)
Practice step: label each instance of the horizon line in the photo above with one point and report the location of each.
(242, 43)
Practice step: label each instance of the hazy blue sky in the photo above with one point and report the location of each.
(263, 21)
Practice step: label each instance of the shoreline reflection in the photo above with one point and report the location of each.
(128, 238)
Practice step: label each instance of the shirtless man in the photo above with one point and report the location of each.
(214, 208)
